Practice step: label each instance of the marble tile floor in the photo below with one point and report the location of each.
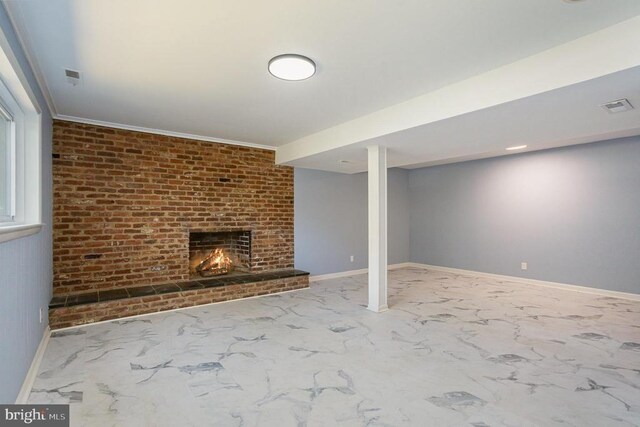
(452, 350)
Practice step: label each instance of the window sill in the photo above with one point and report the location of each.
(11, 232)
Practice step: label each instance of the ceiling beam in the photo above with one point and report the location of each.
(613, 49)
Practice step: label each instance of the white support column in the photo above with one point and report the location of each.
(377, 228)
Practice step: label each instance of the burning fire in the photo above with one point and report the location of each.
(214, 263)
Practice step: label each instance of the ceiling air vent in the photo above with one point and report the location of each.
(619, 106)
(73, 76)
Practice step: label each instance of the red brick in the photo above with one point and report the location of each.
(110, 183)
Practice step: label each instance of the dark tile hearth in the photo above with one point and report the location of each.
(140, 291)
(112, 294)
(165, 289)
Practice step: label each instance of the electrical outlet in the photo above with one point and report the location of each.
(352, 258)
(40, 314)
(523, 265)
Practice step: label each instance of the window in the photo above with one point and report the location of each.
(7, 180)
(20, 150)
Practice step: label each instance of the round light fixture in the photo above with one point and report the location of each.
(292, 67)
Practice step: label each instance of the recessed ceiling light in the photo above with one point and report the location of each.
(517, 147)
(292, 67)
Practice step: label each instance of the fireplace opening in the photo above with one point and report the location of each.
(217, 253)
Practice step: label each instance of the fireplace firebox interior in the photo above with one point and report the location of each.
(213, 253)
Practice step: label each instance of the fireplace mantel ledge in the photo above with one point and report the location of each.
(12, 232)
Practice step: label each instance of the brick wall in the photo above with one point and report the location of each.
(124, 203)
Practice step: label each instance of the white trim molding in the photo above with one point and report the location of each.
(30, 378)
(514, 279)
(161, 132)
(329, 276)
(21, 102)
(12, 232)
(525, 281)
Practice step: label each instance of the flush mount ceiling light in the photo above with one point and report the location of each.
(517, 147)
(292, 67)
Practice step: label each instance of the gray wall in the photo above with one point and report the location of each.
(331, 220)
(25, 268)
(573, 214)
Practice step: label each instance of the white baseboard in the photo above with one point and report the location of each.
(525, 281)
(30, 378)
(329, 276)
(399, 265)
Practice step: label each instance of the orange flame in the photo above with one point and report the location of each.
(215, 262)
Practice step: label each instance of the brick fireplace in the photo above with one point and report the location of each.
(131, 208)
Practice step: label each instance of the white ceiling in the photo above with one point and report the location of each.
(199, 67)
(567, 116)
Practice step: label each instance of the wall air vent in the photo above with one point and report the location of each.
(619, 106)
(73, 76)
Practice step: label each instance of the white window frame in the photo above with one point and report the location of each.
(5, 113)
(20, 104)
